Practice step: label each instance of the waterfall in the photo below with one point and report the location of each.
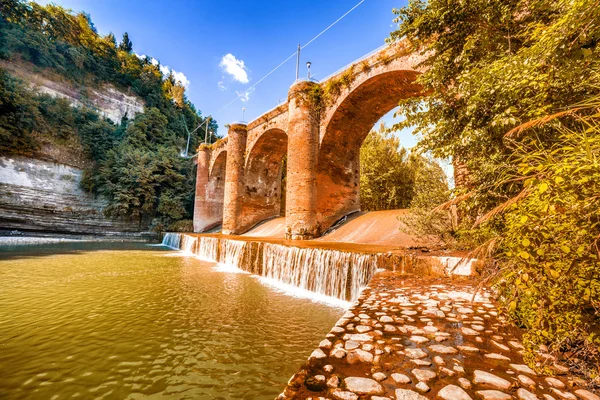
(188, 244)
(324, 272)
(208, 249)
(172, 240)
(328, 272)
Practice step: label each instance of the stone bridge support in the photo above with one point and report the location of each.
(208, 204)
(303, 149)
(234, 179)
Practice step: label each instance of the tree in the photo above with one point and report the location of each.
(391, 176)
(126, 44)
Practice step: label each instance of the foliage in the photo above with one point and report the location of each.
(549, 247)
(533, 202)
(392, 178)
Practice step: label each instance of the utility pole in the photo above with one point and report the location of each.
(297, 61)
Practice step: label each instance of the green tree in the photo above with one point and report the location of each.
(126, 44)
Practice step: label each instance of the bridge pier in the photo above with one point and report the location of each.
(234, 178)
(303, 149)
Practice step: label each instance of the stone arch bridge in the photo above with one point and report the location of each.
(320, 128)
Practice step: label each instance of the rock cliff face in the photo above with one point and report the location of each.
(40, 196)
(43, 194)
(107, 100)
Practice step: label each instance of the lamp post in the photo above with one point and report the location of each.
(308, 66)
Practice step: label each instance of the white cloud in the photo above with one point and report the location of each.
(235, 68)
(244, 96)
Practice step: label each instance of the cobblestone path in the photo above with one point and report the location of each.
(413, 339)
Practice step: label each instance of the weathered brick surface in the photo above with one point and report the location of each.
(234, 178)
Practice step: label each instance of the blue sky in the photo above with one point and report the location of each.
(207, 42)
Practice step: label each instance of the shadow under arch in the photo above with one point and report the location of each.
(262, 178)
(352, 117)
(216, 191)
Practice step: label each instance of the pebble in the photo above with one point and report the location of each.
(418, 339)
(439, 360)
(439, 348)
(468, 349)
(423, 375)
(328, 368)
(523, 369)
(339, 394)
(586, 395)
(557, 383)
(482, 377)
(379, 376)
(563, 395)
(523, 394)
(333, 382)
(415, 353)
(400, 378)
(465, 383)
(468, 331)
(338, 353)
(453, 392)
(405, 394)
(496, 356)
(422, 387)
(317, 354)
(363, 386)
(525, 380)
(351, 345)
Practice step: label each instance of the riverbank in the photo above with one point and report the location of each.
(50, 239)
(414, 338)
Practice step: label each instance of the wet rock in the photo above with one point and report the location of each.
(423, 375)
(468, 331)
(400, 378)
(453, 392)
(415, 353)
(563, 395)
(525, 380)
(516, 344)
(363, 328)
(468, 349)
(318, 354)
(586, 395)
(333, 382)
(485, 378)
(325, 344)
(493, 395)
(389, 328)
(363, 386)
(422, 387)
(523, 394)
(358, 356)
(316, 383)
(339, 394)
(439, 360)
(351, 345)
(557, 383)
(465, 383)
(405, 394)
(379, 376)
(328, 368)
(430, 329)
(379, 398)
(421, 363)
(522, 368)
(439, 348)
(447, 371)
(337, 329)
(358, 337)
(418, 339)
(338, 353)
(496, 356)
(385, 319)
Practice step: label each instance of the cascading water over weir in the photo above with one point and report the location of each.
(327, 272)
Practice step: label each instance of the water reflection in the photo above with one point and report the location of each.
(137, 324)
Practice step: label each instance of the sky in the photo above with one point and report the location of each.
(219, 49)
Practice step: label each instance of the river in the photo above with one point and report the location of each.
(132, 321)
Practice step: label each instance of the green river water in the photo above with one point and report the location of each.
(130, 321)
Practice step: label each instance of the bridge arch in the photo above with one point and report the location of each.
(262, 178)
(344, 128)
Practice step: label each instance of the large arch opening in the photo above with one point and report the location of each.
(338, 169)
(264, 188)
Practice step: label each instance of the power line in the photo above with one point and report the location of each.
(291, 56)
